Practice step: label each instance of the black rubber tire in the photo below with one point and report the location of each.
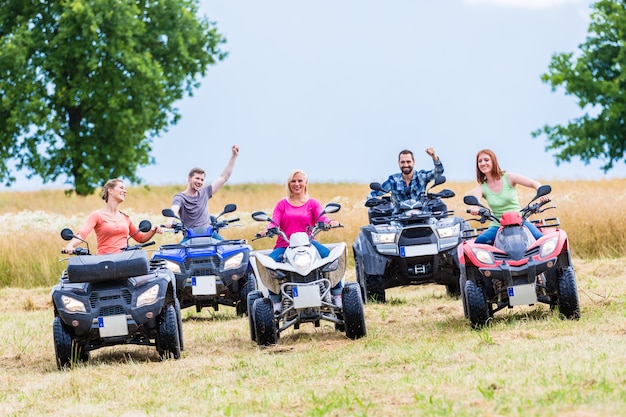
(354, 316)
(360, 278)
(66, 350)
(453, 290)
(476, 305)
(375, 288)
(179, 317)
(264, 323)
(250, 285)
(568, 303)
(252, 297)
(463, 295)
(168, 343)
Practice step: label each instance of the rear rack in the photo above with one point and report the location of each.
(549, 222)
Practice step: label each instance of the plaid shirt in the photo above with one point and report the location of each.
(400, 192)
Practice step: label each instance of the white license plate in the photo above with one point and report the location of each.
(305, 296)
(113, 325)
(418, 250)
(203, 285)
(524, 294)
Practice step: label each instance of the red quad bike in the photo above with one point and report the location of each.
(517, 269)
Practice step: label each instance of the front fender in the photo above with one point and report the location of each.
(373, 262)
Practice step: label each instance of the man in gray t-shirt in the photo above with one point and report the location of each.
(192, 205)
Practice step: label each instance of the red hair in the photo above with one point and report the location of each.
(496, 171)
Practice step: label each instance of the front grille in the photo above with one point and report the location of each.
(111, 311)
(123, 297)
(416, 236)
(203, 266)
(312, 276)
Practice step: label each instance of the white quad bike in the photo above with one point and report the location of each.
(304, 279)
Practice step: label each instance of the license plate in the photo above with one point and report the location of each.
(524, 294)
(418, 250)
(203, 285)
(305, 296)
(113, 325)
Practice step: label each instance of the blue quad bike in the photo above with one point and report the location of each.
(116, 299)
(209, 270)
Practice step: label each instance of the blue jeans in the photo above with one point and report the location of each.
(489, 235)
(277, 255)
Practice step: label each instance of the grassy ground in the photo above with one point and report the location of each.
(419, 358)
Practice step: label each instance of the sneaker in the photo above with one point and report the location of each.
(277, 306)
(337, 301)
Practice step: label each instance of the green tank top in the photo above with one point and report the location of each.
(505, 200)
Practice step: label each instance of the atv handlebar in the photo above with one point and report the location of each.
(138, 246)
(78, 251)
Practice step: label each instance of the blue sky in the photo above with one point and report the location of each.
(338, 88)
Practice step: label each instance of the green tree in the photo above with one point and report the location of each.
(86, 85)
(597, 77)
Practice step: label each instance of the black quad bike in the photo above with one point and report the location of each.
(517, 269)
(209, 270)
(410, 243)
(116, 299)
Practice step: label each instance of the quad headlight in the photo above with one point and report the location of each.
(172, 266)
(233, 262)
(332, 266)
(381, 238)
(549, 246)
(148, 297)
(451, 231)
(73, 305)
(484, 256)
(303, 260)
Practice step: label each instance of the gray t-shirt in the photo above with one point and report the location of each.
(194, 211)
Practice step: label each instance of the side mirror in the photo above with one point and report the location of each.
(145, 226)
(169, 213)
(471, 200)
(228, 208)
(439, 180)
(332, 208)
(543, 190)
(67, 234)
(376, 186)
(261, 216)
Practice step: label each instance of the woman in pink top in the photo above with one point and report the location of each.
(294, 214)
(111, 225)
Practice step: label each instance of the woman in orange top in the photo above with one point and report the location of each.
(111, 225)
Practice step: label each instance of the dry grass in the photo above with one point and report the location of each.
(590, 212)
(419, 358)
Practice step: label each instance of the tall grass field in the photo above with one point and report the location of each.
(419, 357)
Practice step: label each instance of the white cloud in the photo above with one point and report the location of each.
(524, 4)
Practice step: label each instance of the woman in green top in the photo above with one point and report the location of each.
(498, 188)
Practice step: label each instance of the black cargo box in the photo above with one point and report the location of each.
(107, 267)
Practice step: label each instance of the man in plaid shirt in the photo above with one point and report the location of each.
(409, 184)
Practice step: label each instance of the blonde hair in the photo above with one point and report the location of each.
(306, 182)
(110, 184)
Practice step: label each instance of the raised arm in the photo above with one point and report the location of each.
(221, 180)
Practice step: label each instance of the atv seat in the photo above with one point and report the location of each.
(98, 268)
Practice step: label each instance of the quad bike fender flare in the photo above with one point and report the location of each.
(259, 261)
(373, 262)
